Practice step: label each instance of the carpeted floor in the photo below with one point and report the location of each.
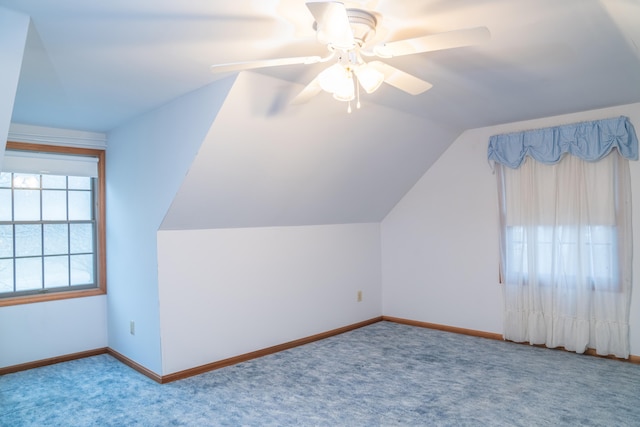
(385, 374)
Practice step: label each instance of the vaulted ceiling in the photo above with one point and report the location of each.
(95, 66)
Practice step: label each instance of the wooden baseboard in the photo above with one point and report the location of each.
(136, 366)
(444, 328)
(163, 379)
(264, 352)
(590, 352)
(52, 361)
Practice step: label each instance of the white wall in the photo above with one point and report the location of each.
(440, 243)
(147, 160)
(32, 332)
(13, 33)
(225, 292)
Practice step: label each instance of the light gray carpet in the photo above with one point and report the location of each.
(384, 374)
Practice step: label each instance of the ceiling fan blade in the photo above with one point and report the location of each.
(332, 23)
(249, 65)
(311, 90)
(401, 80)
(448, 40)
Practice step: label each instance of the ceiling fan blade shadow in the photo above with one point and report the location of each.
(311, 90)
(430, 43)
(401, 80)
(332, 23)
(250, 65)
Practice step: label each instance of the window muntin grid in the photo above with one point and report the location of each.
(47, 233)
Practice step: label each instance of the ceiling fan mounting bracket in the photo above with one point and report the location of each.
(363, 25)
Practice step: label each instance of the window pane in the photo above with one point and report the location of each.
(56, 239)
(516, 255)
(24, 180)
(81, 238)
(546, 254)
(6, 241)
(56, 271)
(27, 205)
(5, 205)
(28, 274)
(54, 181)
(28, 240)
(602, 251)
(81, 269)
(5, 179)
(54, 205)
(79, 183)
(79, 205)
(6, 275)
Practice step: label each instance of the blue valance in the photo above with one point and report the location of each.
(590, 141)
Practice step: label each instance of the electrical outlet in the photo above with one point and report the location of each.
(132, 327)
(359, 296)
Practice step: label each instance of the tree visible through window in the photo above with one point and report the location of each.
(51, 232)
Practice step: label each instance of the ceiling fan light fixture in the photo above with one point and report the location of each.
(346, 92)
(329, 76)
(338, 81)
(369, 78)
(344, 89)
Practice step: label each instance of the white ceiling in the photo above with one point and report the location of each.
(93, 66)
(293, 168)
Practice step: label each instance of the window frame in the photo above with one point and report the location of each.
(101, 265)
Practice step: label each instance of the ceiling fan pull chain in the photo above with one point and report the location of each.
(357, 92)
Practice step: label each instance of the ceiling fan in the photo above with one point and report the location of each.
(347, 32)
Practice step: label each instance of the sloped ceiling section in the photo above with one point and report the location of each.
(264, 164)
(13, 33)
(95, 65)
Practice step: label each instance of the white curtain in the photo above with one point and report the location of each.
(566, 253)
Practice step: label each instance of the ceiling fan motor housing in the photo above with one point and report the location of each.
(363, 25)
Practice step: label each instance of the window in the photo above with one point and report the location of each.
(554, 251)
(565, 234)
(562, 223)
(52, 243)
(566, 253)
